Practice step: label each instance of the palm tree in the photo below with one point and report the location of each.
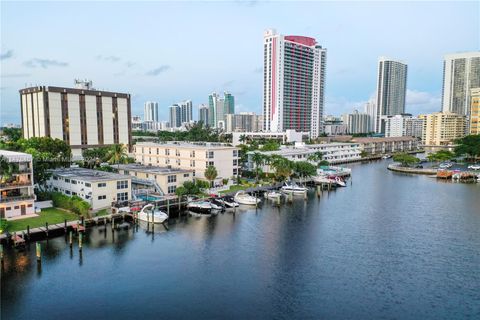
(258, 159)
(282, 166)
(316, 157)
(210, 174)
(117, 154)
(242, 138)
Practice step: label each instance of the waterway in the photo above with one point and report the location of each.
(389, 246)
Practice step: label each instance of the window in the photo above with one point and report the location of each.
(30, 205)
(74, 181)
(102, 185)
(74, 193)
(192, 163)
(55, 189)
(122, 184)
(8, 208)
(193, 173)
(167, 152)
(55, 178)
(235, 162)
(210, 163)
(102, 197)
(87, 184)
(67, 192)
(177, 152)
(122, 196)
(172, 189)
(209, 154)
(235, 153)
(126, 172)
(16, 207)
(192, 154)
(172, 179)
(186, 175)
(67, 180)
(235, 172)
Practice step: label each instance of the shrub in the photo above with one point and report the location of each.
(74, 203)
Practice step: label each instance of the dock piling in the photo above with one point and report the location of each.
(46, 228)
(1, 253)
(28, 232)
(71, 238)
(80, 238)
(65, 225)
(39, 252)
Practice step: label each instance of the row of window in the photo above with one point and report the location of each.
(72, 181)
(123, 184)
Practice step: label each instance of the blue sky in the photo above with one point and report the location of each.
(171, 51)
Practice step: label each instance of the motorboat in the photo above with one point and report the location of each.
(216, 204)
(292, 187)
(387, 156)
(474, 167)
(273, 195)
(203, 207)
(321, 179)
(151, 214)
(445, 165)
(229, 202)
(339, 182)
(244, 198)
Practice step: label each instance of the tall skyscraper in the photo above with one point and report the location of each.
(186, 111)
(293, 84)
(203, 114)
(357, 122)
(391, 90)
(83, 117)
(219, 108)
(150, 112)
(461, 73)
(175, 116)
(371, 110)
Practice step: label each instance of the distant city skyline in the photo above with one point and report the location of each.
(185, 66)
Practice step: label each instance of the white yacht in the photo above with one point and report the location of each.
(294, 188)
(229, 202)
(200, 206)
(244, 198)
(273, 195)
(152, 215)
(474, 167)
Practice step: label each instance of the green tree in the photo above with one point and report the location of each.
(282, 166)
(12, 134)
(47, 153)
(440, 156)
(468, 146)
(210, 174)
(316, 157)
(405, 159)
(7, 169)
(117, 154)
(304, 169)
(270, 145)
(258, 160)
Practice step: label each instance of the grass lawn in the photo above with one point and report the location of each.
(235, 188)
(50, 215)
(100, 213)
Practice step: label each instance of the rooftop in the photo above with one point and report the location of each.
(389, 139)
(91, 175)
(150, 169)
(14, 156)
(186, 144)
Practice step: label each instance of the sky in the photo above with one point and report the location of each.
(173, 51)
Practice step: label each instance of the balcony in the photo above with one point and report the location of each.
(16, 184)
(17, 198)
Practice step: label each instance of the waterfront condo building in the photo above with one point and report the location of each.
(442, 128)
(196, 156)
(175, 116)
(186, 109)
(16, 187)
(391, 90)
(461, 73)
(474, 127)
(82, 116)
(387, 145)
(99, 188)
(162, 180)
(204, 114)
(151, 111)
(293, 83)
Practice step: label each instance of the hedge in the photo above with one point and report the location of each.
(74, 203)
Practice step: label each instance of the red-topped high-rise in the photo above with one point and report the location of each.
(293, 83)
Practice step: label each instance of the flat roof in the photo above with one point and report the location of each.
(386, 139)
(84, 174)
(92, 92)
(14, 156)
(151, 169)
(187, 145)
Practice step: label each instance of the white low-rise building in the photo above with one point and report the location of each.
(99, 188)
(289, 136)
(16, 186)
(334, 153)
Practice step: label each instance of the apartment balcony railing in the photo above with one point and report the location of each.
(15, 184)
(17, 198)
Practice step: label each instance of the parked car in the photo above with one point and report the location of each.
(474, 167)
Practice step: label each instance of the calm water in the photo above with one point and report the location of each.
(388, 246)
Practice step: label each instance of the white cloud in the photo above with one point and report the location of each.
(419, 102)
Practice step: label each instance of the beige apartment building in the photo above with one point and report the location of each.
(99, 188)
(164, 180)
(82, 116)
(195, 156)
(442, 128)
(474, 127)
(16, 186)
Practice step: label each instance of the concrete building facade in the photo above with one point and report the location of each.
(474, 127)
(442, 128)
(82, 117)
(16, 191)
(243, 122)
(190, 156)
(150, 112)
(294, 83)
